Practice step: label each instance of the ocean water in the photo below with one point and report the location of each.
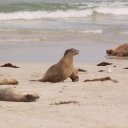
(42, 29)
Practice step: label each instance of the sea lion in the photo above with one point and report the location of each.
(63, 69)
(12, 94)
(7, 81)
(121, 51)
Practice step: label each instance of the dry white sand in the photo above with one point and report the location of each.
(100, 104)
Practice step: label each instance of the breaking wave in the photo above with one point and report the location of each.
(112, 11)
(62, 11)
(31, 15)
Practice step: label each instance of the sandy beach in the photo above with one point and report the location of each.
(34, 35)
(98, 104)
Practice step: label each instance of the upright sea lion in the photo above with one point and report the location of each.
(12, 94)
(63, 69)
(121, 51)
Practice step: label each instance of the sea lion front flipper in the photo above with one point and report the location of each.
(74, 77)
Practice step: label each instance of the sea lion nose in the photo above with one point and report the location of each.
(109, 51)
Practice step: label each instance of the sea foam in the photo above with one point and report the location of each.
(81, 13)
(98, 31)
(112, 10)
(29, 15)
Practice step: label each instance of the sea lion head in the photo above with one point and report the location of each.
(31, 97)
(13, 81)
(110, 52)
(71, 52)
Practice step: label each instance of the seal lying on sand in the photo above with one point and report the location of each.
(7, 81)
(63, 69)
(121, 51)
(11, 94)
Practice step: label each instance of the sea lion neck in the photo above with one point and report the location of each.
(68, 59)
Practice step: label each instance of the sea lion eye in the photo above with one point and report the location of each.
(72, 50)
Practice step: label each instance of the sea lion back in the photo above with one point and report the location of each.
(53, 74)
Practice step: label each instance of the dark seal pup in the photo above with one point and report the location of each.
(63, 69)
(12, 94)
(120, 51)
